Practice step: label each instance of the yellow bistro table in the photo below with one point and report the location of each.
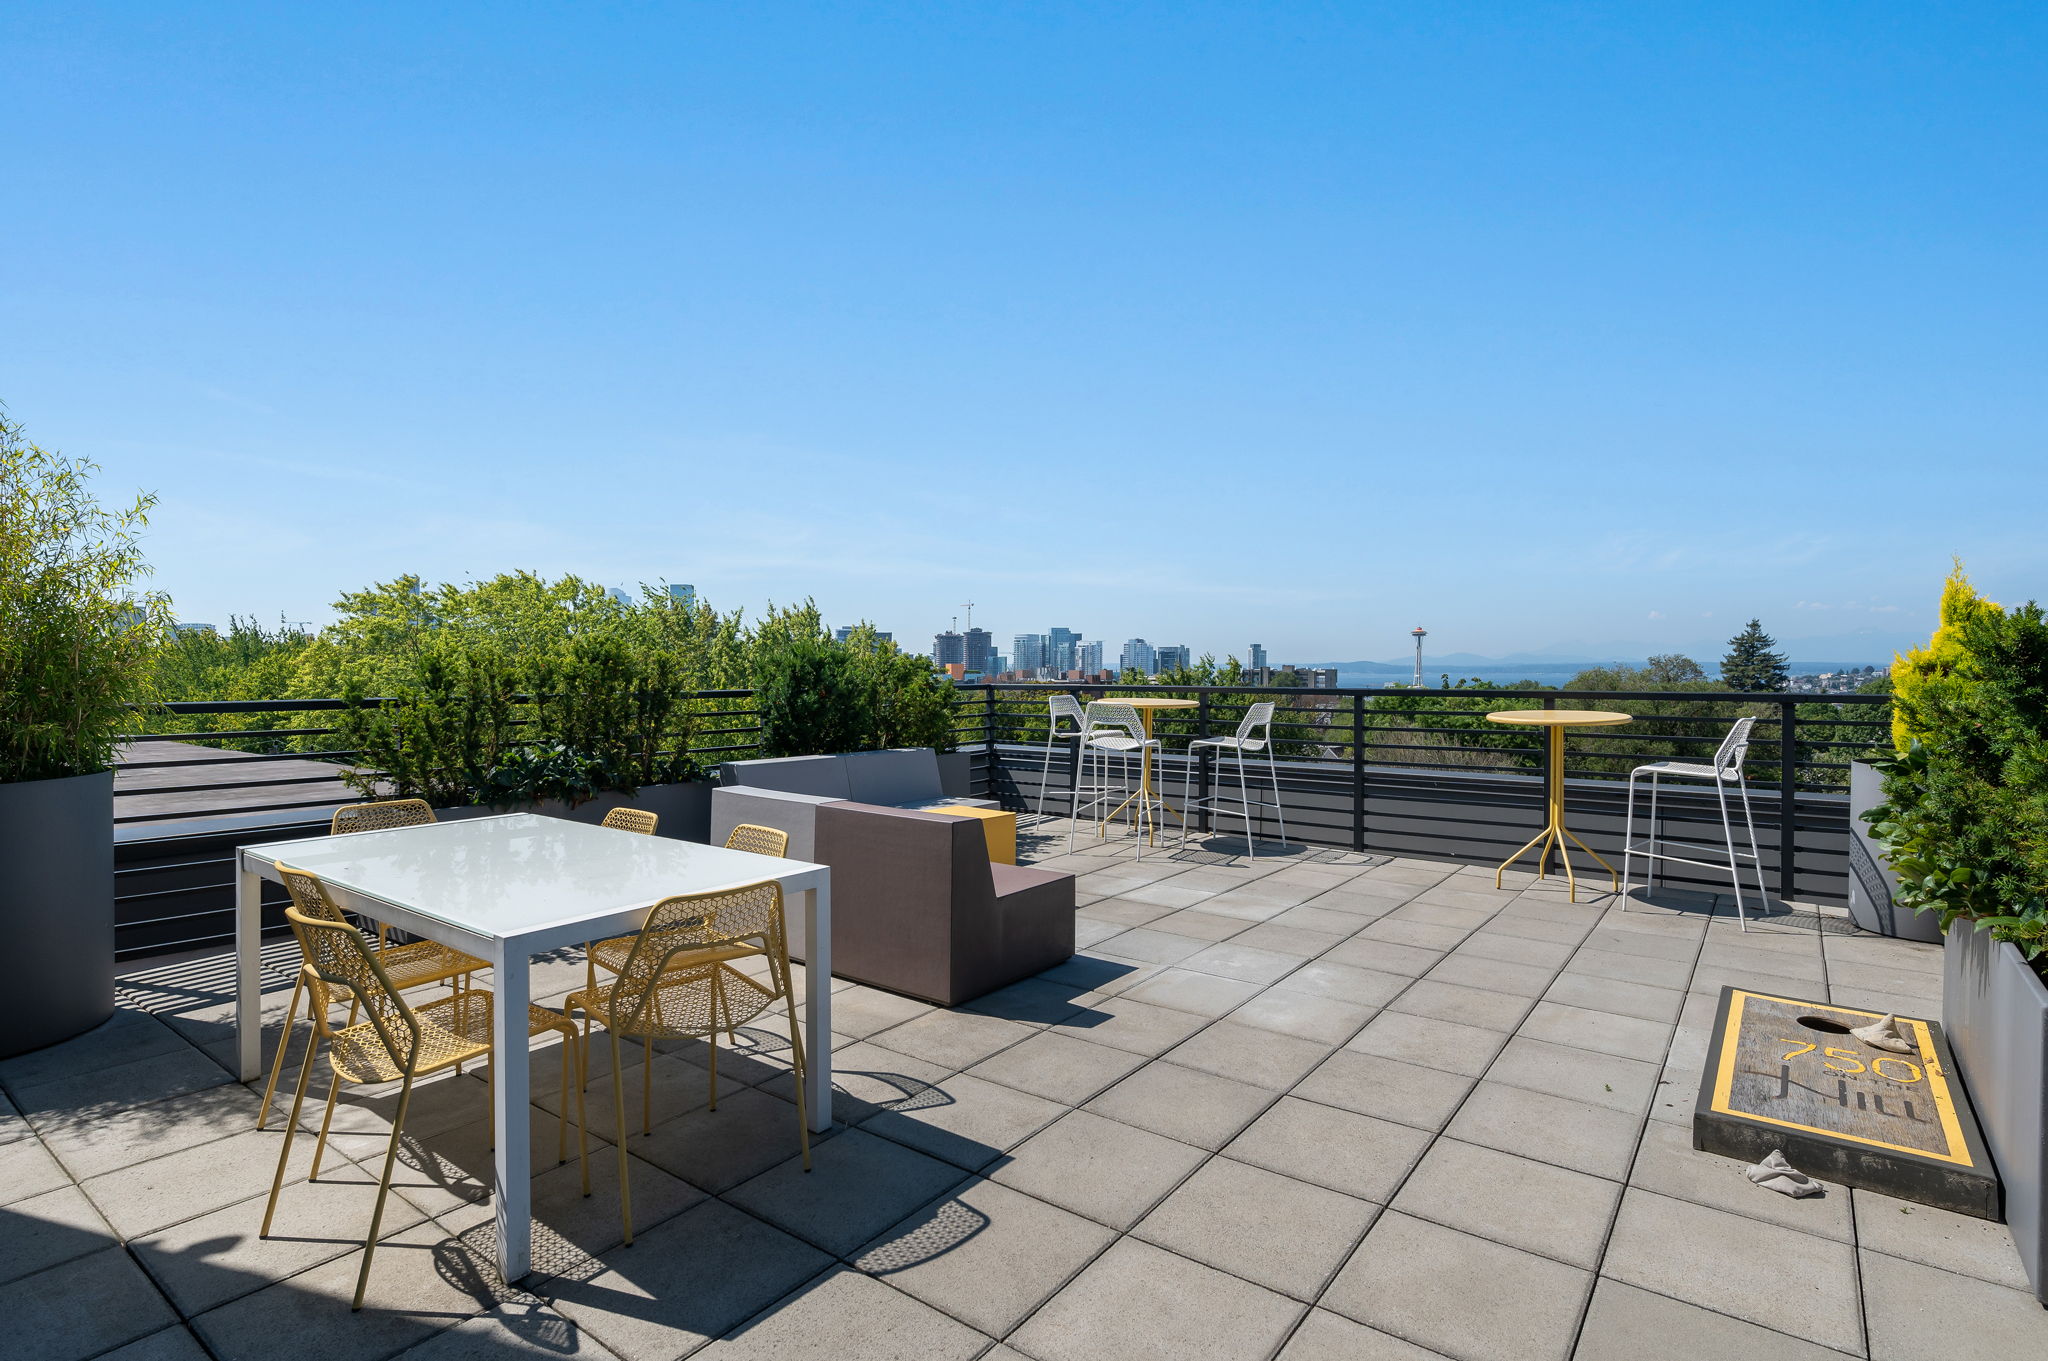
(998, 828)
(1146, 797)
(1554, 722)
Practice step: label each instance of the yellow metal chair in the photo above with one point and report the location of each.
(611, 954)
(632, 820)
(396, 1042)
(412, 965)
(678, 982)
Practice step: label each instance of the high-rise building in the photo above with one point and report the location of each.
(1029, 652)
(845, 631)
(1258, 661)
(1063, 649)
(949, 648)
(1170, 657)
(1087, 658)
(1137, 656)
(685, 596)
(980, 650)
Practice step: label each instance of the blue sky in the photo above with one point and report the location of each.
(1543, 325)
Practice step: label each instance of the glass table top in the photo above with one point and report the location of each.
(514, 873)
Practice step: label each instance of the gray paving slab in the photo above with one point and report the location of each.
(848, 1316)
(983, 1253)
(27, 1170)
(1463, 1296)
(970, 1122)
(1668, 1164)
(1918, 1311)
(82, 1307)
(1482, 1007)
(1535, 1206)
(1358, 1155)
(1601, 1079)
(1196, 1107)
(122, 1086)
(128, 1038)
(1554, 1129)
(1938, 1238)
(1109, 1171)
(1327, 1336)
(1620, 998)
(1683, 1250)
(1057, 1066)
(1324, 1019)
(656, 1300)
(1388, 1089)
(1475, 970)
(45, 1230)
(1140, 1301)
(1383, 955)
(169, 1344)
(1125, 1023)
(1603, 1032)
(858, 1185)
(1202, 994)
(508, 1332)
(1627, 1324)
(1282, 1233)
(954, 1040)
(1345, 983)
(1264, 1058)
(1431, 1043)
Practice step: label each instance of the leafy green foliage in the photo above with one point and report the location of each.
(812, 699)
(1751, 665)
(77, 642)
(1965, 822)
(450, 725)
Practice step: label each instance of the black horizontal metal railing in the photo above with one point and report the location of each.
(1354, 773)
(1344, 748)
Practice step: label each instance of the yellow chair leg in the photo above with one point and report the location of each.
(320, 1149)
(582, 1115)
(383, 1191)
(284, 1042)
(284, 1154)
(619, 1112)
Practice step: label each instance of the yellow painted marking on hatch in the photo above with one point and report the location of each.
(1929, 1066)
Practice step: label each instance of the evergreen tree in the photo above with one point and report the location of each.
(1751, 665)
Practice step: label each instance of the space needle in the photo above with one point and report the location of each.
(1420, 633)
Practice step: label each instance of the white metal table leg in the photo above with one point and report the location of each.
(510, 1118)
(249, 973)
(818, 1007)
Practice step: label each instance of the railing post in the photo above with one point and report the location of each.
(1788, 796)
(988, 736)
(1202, 758)
(1358, 772)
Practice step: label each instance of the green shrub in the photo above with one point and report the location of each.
(449, 726)
(812, 699)
(76, 642)
(1965, 822)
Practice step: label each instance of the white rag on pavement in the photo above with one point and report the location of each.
(1775, 1174)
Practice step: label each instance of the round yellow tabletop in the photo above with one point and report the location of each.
(1152, 703)
(1558, 718)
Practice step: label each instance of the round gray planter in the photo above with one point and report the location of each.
(56, 909)
(1872, 885)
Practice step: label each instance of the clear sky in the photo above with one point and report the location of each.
(1540, 324)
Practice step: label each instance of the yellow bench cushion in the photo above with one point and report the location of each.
(998, 828)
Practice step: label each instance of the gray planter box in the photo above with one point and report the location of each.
(956, 774)
(1872, 886)
(684, 809)
(56, 909)
(1995, 1010)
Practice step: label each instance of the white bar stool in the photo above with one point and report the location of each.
(1257, 719)
(1061, 709)
(1725, 770)
(1115, 730)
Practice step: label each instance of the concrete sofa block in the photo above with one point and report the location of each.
(821, 775)
(792, 813)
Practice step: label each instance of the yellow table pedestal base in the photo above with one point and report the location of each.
(998, 828)
(1554, 831)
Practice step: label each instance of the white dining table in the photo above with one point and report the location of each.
(508, 887)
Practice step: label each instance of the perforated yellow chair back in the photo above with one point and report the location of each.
(378, 817)
(632, 820)
(751, 836)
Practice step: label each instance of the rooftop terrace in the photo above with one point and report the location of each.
(1315, 1105)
